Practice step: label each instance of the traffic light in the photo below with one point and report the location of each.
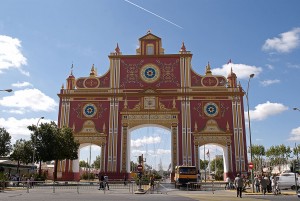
(140, 159)
(296, 166)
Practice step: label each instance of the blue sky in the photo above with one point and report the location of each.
(40, 40)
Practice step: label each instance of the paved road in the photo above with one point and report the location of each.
(163, 194)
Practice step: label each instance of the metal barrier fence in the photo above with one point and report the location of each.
(111, 186)
(205, 186)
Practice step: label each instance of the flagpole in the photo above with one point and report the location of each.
(204, 165)
(216, 162)
(208, 155)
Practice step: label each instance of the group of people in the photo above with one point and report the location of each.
(262, 184)
(266, 184)
(103, 182)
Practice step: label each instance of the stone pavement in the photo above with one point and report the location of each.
(123, 195)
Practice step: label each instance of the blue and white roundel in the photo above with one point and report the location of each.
(149, 73)
(89, 110)
(211, 109)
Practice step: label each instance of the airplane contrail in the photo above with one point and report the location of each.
(154, 14)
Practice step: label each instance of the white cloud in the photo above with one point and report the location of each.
(269, 82)
(29, 100)
(242, 71)
(289, 65)
(295, 134)
(26, 73)
(265, 110)
(163, 151)
(285, 43)
(10, 54)
(21, 84)
(17, 128)
(145, 140)
(269, 66)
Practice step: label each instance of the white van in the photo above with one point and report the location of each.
(287, 181)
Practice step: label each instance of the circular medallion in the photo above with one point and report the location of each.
(211, 109)
(150, 73)
(89, 110)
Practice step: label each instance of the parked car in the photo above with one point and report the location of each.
(287, 181)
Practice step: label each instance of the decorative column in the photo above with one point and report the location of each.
(196, 151)
(103, 159)
(125, 154)
(174, 145)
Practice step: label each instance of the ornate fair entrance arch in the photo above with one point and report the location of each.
(154, 88)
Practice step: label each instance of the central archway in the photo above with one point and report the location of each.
(154, 143)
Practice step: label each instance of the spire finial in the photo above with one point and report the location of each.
(149, 31)
(104, 128)
(183, 49)
(125, 104)
(174, 103)
(72, 68)
(117, 50)
(93, 73)
(208, 70)
(227, 127)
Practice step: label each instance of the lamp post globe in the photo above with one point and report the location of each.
(7, 90)
(249, 127)
(34, 142)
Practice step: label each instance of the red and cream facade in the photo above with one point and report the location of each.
(154, 88)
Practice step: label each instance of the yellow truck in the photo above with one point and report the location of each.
(184, 175)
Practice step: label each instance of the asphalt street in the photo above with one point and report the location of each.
(123, 195)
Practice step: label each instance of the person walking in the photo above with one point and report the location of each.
(274, 185)
(239, 183)
(101, 182)
(257, 184)
(263, 184)
(106, 182)
(227, 186)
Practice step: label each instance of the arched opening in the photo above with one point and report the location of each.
(89, 160)
(213, 161)
(154, 143)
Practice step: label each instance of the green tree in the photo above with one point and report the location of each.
(83, 164)
(258, 151)
(5, 144)
(203, 164)
(296, 151)
(53, 143)
(279, 154)
(217, 166)
(217, 162)
(96, 163)
(22, 152)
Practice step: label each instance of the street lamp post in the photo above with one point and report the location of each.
(295, 108)
(249, 127)
(34, 142)
(7, 90)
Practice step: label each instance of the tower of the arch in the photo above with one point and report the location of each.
(157, 88)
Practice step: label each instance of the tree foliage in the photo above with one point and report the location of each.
(258, 151)
(217, 162)
(5, 142)
(22, 152)
(83, 164)
(96, 163)
(279, 154)
(53, 143)
(203, 164)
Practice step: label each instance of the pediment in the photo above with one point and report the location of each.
(150, 36)
(212, 127)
